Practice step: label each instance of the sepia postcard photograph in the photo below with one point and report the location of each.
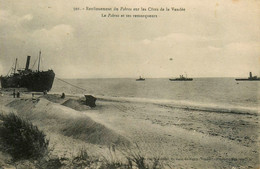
(127, 84)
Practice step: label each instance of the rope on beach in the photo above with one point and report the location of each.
(119, 108)
(71, 84)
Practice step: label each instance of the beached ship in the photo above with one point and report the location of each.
(26, 78)
(181, 78)
(250, 78)
(140, 79)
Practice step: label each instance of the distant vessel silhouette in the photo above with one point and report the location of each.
(181, 78)
(26, 78)
(250, 78)
(140, 79)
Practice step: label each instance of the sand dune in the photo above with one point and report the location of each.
(57, 118)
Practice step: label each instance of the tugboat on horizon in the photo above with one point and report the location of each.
(140, 79)
(181, 78)
(250, 78)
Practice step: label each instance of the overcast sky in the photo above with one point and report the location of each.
(212, 38)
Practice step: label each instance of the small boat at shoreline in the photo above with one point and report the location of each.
(250, 78)
(181, 78)
(140, 79)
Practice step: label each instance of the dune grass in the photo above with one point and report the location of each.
(21, 139)
(132, 158)
(24, 141)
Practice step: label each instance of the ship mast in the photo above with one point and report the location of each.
(15, 65)
(39, 61)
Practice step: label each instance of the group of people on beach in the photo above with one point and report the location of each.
(16, 94)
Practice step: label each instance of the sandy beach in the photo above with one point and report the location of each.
(180, 137)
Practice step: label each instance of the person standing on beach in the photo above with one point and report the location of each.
(14, 93)
(63, 95)
(18, 94)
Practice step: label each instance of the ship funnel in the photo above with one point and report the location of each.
(250, 74)
(27, 62)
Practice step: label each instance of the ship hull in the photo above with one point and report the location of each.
(247, 79)
(180, 79)
(33, 81)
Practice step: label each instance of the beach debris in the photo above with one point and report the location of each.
(62, 95)
(90, 100)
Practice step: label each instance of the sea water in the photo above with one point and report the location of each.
(207, 92)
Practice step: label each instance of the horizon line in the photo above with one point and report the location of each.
(145, 78)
